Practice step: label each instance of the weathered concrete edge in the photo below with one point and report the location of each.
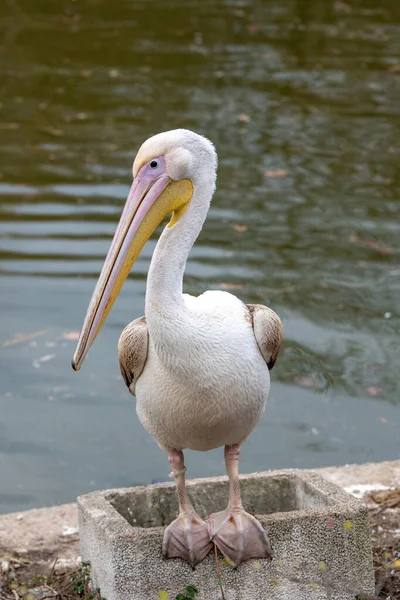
(53, 531)
(97, 506)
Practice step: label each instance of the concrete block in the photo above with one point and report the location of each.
(319, 533)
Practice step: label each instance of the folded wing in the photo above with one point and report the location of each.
(268, 331)
(132, 351)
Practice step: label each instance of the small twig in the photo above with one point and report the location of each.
(218, 573)
(53, 568)
(51, 590)
(380, 510)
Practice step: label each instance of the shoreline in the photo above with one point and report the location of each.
(55, 528)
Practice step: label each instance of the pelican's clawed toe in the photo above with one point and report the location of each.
(238, 535)
(188, 538)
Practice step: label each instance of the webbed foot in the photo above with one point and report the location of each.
(188, 538)
(239, 535)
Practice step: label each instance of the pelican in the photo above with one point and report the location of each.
(198, 366)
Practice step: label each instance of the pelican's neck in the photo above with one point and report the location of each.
(164, 281)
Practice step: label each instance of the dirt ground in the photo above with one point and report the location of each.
(385, 532)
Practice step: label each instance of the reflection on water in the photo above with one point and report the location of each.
(301, 100)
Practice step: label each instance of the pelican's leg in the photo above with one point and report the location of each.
(187, 537)
(237, 534)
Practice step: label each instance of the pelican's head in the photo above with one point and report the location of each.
(166, 170)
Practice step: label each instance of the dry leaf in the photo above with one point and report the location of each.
(390, 498)
(71, 335)
(372, 243)
(353, 238)
(373, 391)
(396, 564)
(54, 131)
(276, 173)
(231, 286)
(342, 7)
(307, 382)
(253, 28)
(240, 228)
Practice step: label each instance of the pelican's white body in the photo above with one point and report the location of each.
(205, 383)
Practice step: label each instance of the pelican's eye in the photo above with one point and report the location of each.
(154, 164)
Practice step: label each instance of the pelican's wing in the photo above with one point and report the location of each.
(268, 331)
(132, 351)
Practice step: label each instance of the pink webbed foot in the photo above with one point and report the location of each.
(239, 535)
(188, 538)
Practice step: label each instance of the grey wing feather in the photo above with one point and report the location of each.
(268, 331)
(132, 351)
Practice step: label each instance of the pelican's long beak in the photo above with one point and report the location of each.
(149, 201)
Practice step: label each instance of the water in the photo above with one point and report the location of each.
(301, 100)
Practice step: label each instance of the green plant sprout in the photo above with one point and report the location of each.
(190, 592)
(81, 584)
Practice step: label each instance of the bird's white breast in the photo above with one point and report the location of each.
(205, 382)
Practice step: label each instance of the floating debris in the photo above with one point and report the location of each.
(43, 359)
(22, 337)
(276, 173)
(231, 286)
(374, 391)
(71, 335)
(306, 382)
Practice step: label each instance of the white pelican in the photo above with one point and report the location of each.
(199, 367)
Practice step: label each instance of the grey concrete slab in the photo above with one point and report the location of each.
(319, 533)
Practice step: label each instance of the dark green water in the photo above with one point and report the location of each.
(302, 101)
